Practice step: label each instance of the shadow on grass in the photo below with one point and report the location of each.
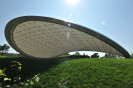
(32, 66)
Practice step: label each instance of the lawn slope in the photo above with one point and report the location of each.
(87, 73)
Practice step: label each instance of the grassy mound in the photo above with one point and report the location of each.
(87, 73)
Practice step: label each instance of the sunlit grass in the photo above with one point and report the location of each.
(88, 73)
(3, 56)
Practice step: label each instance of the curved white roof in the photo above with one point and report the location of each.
(44, 37)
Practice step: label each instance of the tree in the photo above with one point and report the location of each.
(4, 48)
(77, 53)
(0, 47)
(108, 55)
(131, 55)
(95, 55)
(84, 54)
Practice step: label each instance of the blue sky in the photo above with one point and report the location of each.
(112, 18)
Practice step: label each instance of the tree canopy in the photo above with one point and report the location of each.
(4, 48)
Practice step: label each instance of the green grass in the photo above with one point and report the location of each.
(88, 73)
(70, 55)
(64, 55)
(3, 56)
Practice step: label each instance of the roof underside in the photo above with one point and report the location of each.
(49, 38)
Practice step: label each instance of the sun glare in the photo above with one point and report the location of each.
(73, 2)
